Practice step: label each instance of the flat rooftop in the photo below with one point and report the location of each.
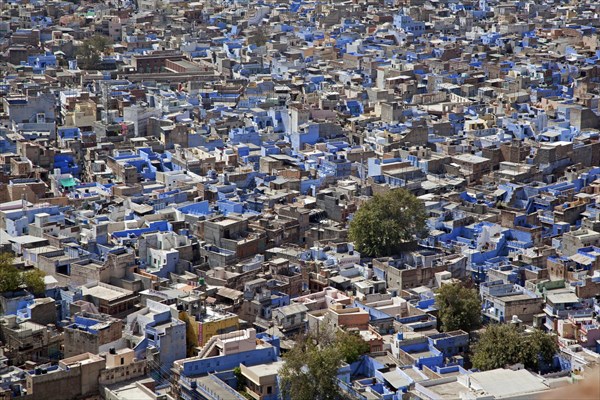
(450, 390)
(419, 354)
(105, 293)
(515, 297)
(503, 383)
(263, 370)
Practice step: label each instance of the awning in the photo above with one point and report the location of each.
(68, 182)
(582, 259)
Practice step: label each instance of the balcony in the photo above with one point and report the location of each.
(587, 313)
(493, 314)
(519, 245)
(554, 312)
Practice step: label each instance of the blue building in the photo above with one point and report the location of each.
(162, 337)
(409, 25)
(227, 351)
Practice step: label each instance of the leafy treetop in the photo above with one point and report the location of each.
(310, 368)
(385, 223)
(502, 344)
(12, 279)
(459, 307)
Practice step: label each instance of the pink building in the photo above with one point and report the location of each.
(324, 299)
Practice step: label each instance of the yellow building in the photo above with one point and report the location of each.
(215, 323)
(84, 114)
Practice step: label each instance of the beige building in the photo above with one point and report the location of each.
(121, 365)
(83, 115)
(75, 377)
(470, 166)
(84, 375)
(261, 379)
(26, 340)
(81, 338)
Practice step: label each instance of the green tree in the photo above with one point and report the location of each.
(241, 379)
(310, 369)
(386, 222)
(502, 345)
(459, 307)
(87, 56)
(91, 50)
(100, 43)
(260, 37)
(537, 348)
(310, 372)
(351, 346)
(498, 346)
(34, 281)
(11, 279)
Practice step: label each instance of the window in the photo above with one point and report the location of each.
(269, 389)
(122, 360)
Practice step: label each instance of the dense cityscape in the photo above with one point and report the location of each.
(299, 200)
